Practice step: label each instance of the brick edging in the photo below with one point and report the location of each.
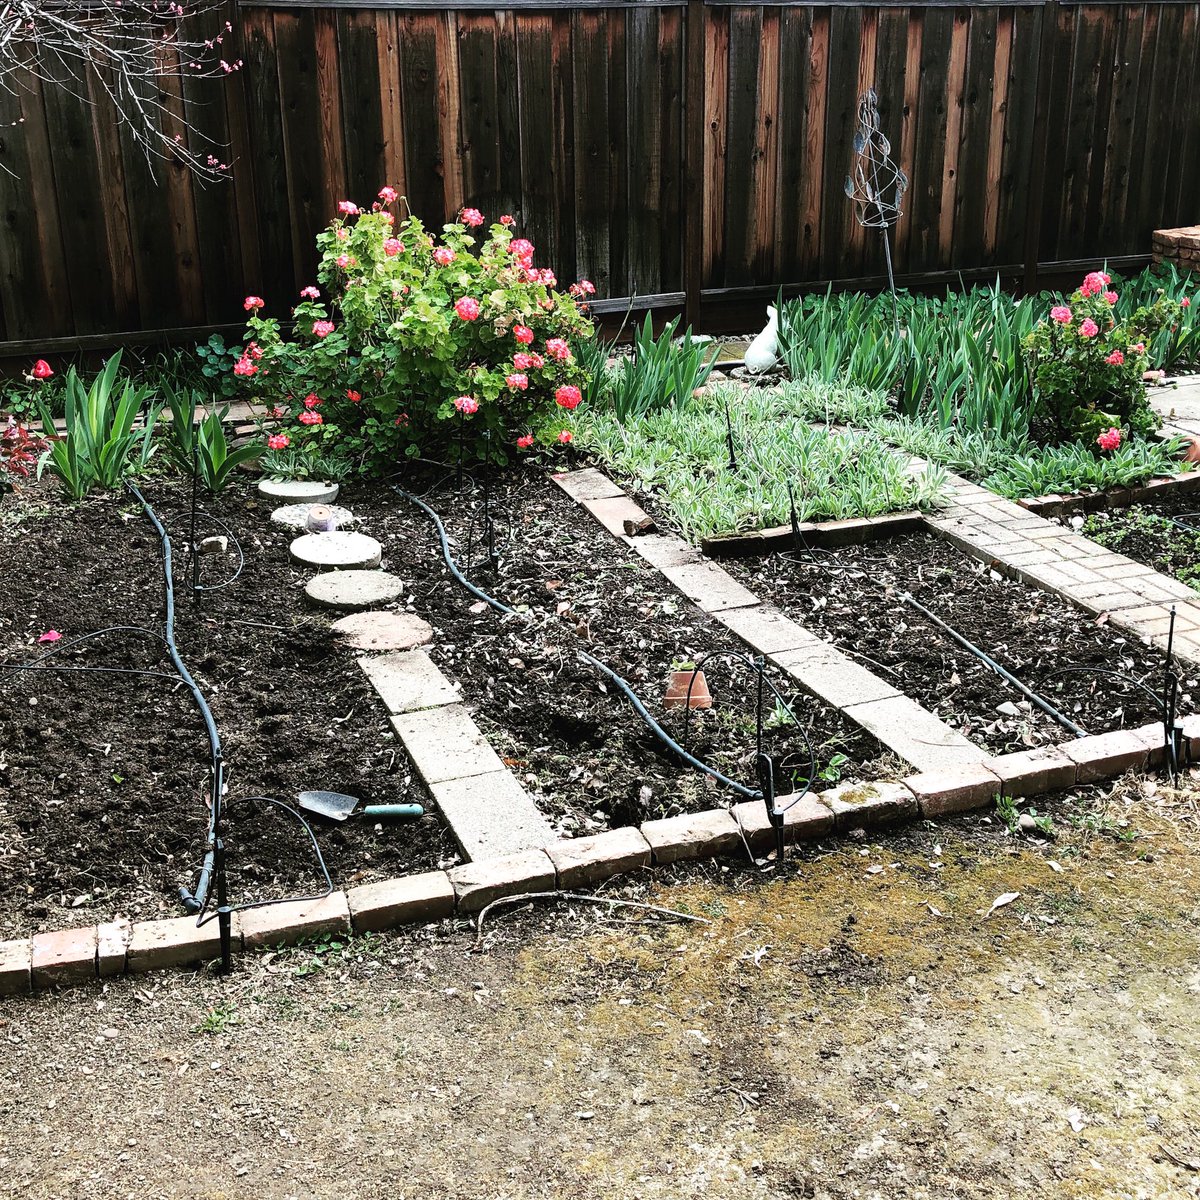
(1054, 505)
(81, 955)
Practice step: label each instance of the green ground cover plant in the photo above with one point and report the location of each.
(681, 453)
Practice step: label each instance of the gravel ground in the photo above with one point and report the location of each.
(856, 1024)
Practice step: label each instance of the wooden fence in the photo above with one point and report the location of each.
(689, 151)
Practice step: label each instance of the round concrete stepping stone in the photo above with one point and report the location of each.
(354, 590)
(295, 516)
(337, 551)
(298, 491)
(384, 631)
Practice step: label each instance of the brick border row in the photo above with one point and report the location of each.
(76, 956)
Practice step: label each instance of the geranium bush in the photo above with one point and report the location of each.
(1087, 366)
(414, 344)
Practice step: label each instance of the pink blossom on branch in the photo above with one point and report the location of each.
(348, 207)
(310, 293)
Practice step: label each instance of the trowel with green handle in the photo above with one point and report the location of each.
(337, 807)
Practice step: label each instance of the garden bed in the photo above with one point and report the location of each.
(568, 734)
(853, 597)
(1164, 535)
(104, 782)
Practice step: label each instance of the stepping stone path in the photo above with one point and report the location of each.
(383, 631)
(338, 551)
(295, 516)
(354, 591)
(298, 491)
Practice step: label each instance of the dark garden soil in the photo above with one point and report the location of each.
(853, 597)
(104, 777)
(1165, 535)
(569, 735)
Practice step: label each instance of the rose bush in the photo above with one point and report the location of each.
(1087, 366)
(405, 328)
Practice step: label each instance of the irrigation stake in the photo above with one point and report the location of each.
(733, 466)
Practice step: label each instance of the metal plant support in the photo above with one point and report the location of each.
(877, 185)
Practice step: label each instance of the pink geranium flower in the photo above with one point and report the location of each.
(523, 334)
(308, 417)
(322, 328)
(443, 256)
(346, 261)
(471, 216)
(348, 207)
(466, 405)
(517, 382)
(392, 247)
(1061, 313)
(568, 396)
(557, 348)
(525, 441)
(506, 220)
(353, 396)
(244, 366)
(522, 361)
(1115, 359)
(278, 441)
(566, 437)
(467, 308)
(312, 400)
(1110, 439)
(252, 302)
(388, 195)
(1089, 328)
(1110, 297)
(310, 293)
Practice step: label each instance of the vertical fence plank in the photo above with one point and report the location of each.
(908, 138)
(423, 163)
(1179, 206)
(387, 25)
(362, 105)
(841, 121)
(449, 123)
(671, 188)
(745, 47)
(930, 148)
(479, 102)
(563, 118)
(973, 182)
(536, 104)
(794, 238)
(716, 120)
(1020, 120)
(645, 141)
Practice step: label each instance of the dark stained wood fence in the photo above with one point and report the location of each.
(675, 149)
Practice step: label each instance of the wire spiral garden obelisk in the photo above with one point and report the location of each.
(878, 184)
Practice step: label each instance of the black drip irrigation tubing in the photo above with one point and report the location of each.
(766, 792)
(1003, 672)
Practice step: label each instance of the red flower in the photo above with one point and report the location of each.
(517, 382)
(466, 405)
(523, 334)
(252, 302)
(525, 441)
(322, 328)
(278, 411)
(388, 195)
(558, 348)
(392, 247)
(471, 216)
(42, 369)
(566, 437)
(568, 396)
(506, 219)
(308, 417)
(353, 396)
(1110, 439)
(522, 361)
(278, 441)
(348, 207)
(467, 308)
(1115, 359)
(520, 248)
(244, 366)
(310, 293)
(1185, 303)
(312, 400)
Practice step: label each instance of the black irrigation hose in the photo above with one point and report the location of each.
(1003, 672)
(626, 690)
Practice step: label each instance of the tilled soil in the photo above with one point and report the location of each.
(104, 777)
(854, 597)
(573, 739)
(1165, 536)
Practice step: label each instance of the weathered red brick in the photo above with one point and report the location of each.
(395, 902)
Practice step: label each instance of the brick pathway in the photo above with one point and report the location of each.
(1052, 557)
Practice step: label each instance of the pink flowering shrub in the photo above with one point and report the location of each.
(412, 342)
(1087, 366)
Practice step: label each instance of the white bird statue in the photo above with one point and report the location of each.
(764, 350)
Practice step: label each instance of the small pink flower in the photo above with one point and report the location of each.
(523, 334)
(443, 256)
(401, 421)
(471, 216)
(308, 417)
(310, 293)
(343, 235)
(525, 441)
(392, 247)
(1115, 359)
(568, 396)
(1089, 328)
(557, 348)
(353, 396)
(345, 261)
(278, 441)
(585, 287)
(566, 437)
(42, 369)
(322, 328)
(467, 308)
(506, 219)
(1094, 282)
(348, 207)
(1138, 348)
(252, 302)
(1110, 439)
(312, 400)
(466, 405)
(522, 361)
(244, 366)
(517, 382)
(388, 195)
(51, 635)
(1110, 297)
(1061, 313)
(537, 361)
(278, 411)
(520, 248)
(1185, 303)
